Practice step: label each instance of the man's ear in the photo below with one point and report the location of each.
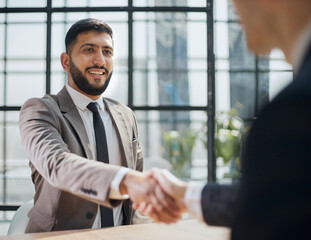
(64, 59)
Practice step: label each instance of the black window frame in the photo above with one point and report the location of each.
(129, 9)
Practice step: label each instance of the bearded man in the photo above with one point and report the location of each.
(83, 149)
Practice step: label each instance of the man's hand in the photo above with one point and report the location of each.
(171, 185)
(145, 189)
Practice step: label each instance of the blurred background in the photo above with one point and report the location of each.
(181, 65)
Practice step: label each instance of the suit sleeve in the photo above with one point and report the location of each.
(218, 204)
(51, 157)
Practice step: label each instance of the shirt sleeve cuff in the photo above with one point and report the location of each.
(192, 199)
(115, 185)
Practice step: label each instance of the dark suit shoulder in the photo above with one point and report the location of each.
(275, 185)
(287, 113)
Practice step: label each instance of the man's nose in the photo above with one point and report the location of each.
(99, 59)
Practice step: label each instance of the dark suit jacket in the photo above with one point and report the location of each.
(68, 184)
(274, 198)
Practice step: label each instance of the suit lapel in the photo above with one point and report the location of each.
(124, 134)
(70, 112)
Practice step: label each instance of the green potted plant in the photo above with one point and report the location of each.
(229, 133)
(178, 147)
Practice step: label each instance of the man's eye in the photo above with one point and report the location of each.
(108, 52)
(88, 50)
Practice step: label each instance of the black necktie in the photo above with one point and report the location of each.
(106, 214)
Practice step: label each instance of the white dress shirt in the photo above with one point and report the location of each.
(194, 190)
(81, 101)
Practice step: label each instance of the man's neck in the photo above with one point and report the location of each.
(75, 87)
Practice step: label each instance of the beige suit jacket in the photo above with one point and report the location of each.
(68, 184)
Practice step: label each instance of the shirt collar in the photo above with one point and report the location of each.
(81, 101)
(301, 48)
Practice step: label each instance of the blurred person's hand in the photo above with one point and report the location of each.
(145, 191)
(172, 186)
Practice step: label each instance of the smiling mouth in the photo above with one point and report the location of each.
(93, 72)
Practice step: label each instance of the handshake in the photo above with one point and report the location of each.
(156, 193)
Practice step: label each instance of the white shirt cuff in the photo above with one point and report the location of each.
(115, 184)
(192, 199)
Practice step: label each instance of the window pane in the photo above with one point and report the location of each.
(108, 3)
(221, 10)
(243, 93)
(222, 92)
(221, 41)
(24, 18)
(58, 80)
(172, 140)
(21, 87)
(2, 120)
(21, 44)
(197, 39)
(146, 89)
(15, 152)
(89, 3)
(165, 45)
(275, 65)
(32, 3)
(239, 56)
(277, 81)
(18, 187)
(2, 37)
(222, 65)
(5, 217)
(26, 65)
(170, 3)
(58, 39)
(277, 54)
(56, 66)
(232, 15)
(197, 88)
(69, 3)
(118, 87)
(2, 90)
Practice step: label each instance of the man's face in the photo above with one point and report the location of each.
(257, 24)
(91, 63)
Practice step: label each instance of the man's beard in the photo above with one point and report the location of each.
(83, 84)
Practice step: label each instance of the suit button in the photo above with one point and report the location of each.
(89, 215)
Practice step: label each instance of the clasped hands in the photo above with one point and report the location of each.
(156, 193)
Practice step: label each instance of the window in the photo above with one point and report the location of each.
(243, 81)
(174, 61)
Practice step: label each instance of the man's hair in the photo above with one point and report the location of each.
(85, 25)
